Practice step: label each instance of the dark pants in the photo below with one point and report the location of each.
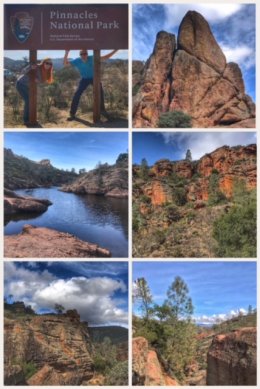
(83, 84)
(23, 90)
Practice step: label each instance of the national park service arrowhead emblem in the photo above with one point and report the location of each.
(21, 24)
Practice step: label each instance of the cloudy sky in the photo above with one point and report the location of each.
(68, 149)
(218, 290)
(233, 26)
(173, 145)
(98, 290)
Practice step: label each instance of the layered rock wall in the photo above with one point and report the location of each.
(57, 346)
(231, 359)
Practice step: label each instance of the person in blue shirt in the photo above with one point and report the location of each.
(85, 65)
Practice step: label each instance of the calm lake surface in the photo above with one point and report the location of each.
(95, 219)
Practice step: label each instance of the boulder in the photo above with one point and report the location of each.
(15, 204)
(40, 242)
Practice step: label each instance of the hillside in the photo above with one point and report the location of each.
(115, 333)
(22, 173)
(204, 208)
(189, 74)
(107, 180)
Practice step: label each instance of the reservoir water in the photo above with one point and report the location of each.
(95, 219)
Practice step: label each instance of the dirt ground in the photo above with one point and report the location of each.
(83, 120)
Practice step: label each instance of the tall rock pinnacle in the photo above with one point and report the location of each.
(194, 78)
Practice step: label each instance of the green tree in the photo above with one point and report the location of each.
(188, 155)
(178, 299)
(175, 119)
(144, 169)
(215, 195)
(59, 308)
(143, 295)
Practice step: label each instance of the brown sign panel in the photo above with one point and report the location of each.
(59, 27)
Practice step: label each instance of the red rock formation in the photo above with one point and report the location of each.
(231, 358)
(193, 78)
(158, 193)
(58, 348)
(232, 164)
(146, 366)
(40, 242)
(155, 89)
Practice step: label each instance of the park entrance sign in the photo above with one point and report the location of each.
(59, 27)
(66, 27)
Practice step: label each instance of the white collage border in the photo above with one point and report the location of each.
(129, 260)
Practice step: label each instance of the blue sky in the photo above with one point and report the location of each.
(173, 145)
(218, 289)
(98, 290)
(68, 149)
(233, 26)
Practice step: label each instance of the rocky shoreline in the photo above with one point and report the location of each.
(41, 242)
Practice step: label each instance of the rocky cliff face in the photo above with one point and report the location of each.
(232, 358)
(232, 164)
(104, 180)
(146, 367)
(192, 75)
(57, 346)
(179, 202)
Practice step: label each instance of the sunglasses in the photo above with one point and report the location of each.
(83, 54)
(48, 63)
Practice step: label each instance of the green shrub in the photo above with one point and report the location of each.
(118, 375)
(29, 369)
(215, 195)
(235, 231)
(172, 212)
(145, 199)
(100, 363)
(175, 119)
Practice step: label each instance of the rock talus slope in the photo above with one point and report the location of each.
(192, 75)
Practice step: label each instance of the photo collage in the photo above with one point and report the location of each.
(129, 180)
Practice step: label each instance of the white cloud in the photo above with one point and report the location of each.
(218, 318)
(211, 12)
(94, 298)
(203, 143)
(243, 55)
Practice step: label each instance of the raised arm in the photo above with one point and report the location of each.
(109, 55)
(65, 59)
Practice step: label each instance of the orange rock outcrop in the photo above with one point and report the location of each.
(146, 366)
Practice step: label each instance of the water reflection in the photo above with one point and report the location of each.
(95, 219)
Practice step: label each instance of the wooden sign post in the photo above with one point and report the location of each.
(60, 27)
(96, 87)
(33, 90)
